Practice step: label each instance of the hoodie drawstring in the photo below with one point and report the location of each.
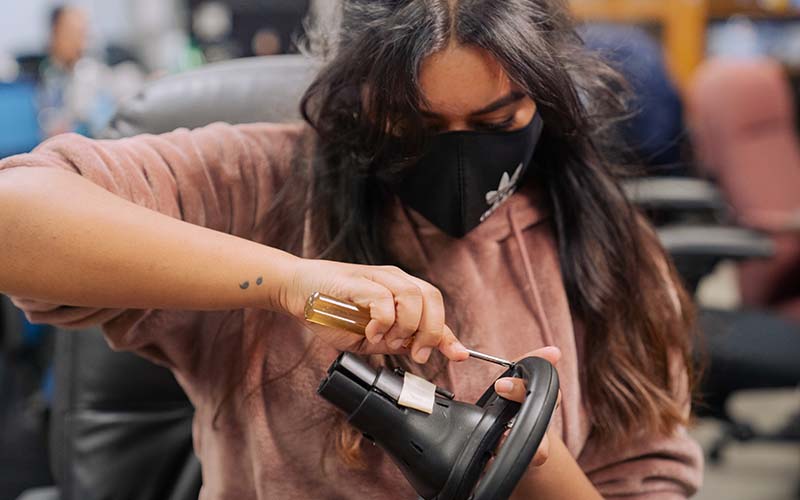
(541, 317)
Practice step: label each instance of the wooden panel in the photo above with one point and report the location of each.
(620, 10)
(756, 8)
(685, 37)
(683, 25)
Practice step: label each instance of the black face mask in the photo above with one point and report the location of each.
(463, 177)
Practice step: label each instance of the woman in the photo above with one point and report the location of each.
(457, 140)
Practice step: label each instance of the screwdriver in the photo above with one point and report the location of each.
(325, 310)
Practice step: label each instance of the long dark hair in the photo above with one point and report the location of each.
(620, 285)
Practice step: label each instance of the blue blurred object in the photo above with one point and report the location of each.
(19, 126)
(656, 130)
(32, 334)
(48, 386)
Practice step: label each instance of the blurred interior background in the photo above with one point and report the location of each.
(67, 70)
(715, 85)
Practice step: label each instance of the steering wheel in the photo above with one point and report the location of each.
(530, 421)
(444, 454)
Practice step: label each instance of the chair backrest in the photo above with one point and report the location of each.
(655, 129)
(121, 426)
(742, 118)
(259, 89)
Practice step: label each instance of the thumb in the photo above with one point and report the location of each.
(549, 353)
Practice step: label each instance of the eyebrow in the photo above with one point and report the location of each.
(504, 101)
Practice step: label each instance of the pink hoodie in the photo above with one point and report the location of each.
(275, 441)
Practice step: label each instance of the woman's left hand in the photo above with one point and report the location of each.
(514, 390)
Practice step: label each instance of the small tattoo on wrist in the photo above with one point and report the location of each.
(259, 281)
(244, 285)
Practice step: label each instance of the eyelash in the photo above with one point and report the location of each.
(496, 126)
(488, 127)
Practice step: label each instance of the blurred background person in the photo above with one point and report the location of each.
(74, 95)
(69, 33)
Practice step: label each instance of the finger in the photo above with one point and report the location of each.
(431, 325)
(514, 388)
(542, 453)
(342, 340)
(380, 302)
(549, 353)
(408, 305)
(451, 347)
(511, 388)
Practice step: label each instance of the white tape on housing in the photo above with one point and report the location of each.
(417, 393)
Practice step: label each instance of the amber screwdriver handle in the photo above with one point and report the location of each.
(328, 311)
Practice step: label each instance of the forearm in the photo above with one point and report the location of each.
(67, 241)
(560, 477)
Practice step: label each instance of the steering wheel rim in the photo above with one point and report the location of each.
(528, 431)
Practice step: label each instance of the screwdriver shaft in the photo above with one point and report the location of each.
(490, 358)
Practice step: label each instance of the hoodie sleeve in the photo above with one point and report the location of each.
(668, 468)
(220, 177)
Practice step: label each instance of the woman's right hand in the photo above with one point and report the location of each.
(401, 306)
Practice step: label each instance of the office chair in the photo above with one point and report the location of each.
(746, 349)
(743, 127)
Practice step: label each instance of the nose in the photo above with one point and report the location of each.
(456, 126)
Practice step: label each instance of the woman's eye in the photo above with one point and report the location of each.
(493, 126)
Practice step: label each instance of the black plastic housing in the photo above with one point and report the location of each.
(444, 454)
